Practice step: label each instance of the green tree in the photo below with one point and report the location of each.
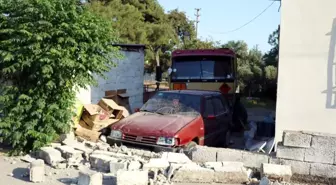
(250, 66)
(48, 49)
(183, 27)
(272, 56)
(127, 20)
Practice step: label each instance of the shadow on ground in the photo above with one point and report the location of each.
(21, 174)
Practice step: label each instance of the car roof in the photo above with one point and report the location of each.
(194, 92)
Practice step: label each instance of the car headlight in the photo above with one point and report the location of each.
(116, 134)
(168, 141)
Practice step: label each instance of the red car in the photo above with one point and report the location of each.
(176, 121)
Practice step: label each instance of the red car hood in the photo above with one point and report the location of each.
(149, 124)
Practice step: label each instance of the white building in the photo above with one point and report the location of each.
(306, 98)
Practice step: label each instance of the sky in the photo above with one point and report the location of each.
(219, 17)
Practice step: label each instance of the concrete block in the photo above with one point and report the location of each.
(156, 163)
(324, 142)
(298, 167)
(69, 152)
(50, 155)
(88, 177)
(37, 171)
(212, 165)
(132, 177)
(254, 160)
(225, 154)
(101, 162)
(276, 172)
(175, 157)
(115, 166)
(204, 154)
(290, 153)
(319, 155)
(134, 165)
(323, 170)
(230, 174)
(296, 139)
(192, 173)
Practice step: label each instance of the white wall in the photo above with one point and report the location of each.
(307, 77)
(127, 75)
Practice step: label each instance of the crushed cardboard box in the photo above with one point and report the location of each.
(120, 96)
(94, 118)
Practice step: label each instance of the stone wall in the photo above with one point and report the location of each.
(307, 153)
(128, 74)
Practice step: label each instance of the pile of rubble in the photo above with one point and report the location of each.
(127, 166)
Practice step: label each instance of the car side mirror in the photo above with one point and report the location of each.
(211, 117)
(137, 110)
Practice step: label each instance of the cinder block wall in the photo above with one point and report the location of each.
(308, 153)
(128, 74)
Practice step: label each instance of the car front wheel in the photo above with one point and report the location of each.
(189, 148)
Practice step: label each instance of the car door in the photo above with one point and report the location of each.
(210, 122)
(223, 116)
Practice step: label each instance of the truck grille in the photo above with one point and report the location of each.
(140, 139)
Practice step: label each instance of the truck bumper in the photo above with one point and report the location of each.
(155, 148)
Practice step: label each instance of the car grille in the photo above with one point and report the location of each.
(140, 139)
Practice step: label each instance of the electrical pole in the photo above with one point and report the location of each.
(197, 19)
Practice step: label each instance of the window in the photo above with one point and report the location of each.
(214, 68)
(220, 108)
(209, 108)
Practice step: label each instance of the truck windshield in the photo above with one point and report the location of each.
(202, 68)
(173, 103)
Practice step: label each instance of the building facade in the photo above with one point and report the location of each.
(128, 74)
(306, 98)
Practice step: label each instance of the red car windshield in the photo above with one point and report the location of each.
(173, 103)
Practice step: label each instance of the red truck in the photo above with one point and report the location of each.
(176, 121)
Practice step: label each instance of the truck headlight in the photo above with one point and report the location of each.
(167, 141)
(116, 134)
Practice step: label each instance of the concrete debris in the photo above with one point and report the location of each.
(36, 172)
(27, 158)
(89, 177)
(156, 163)
(132, 177)
(192, 173)
(116, 166)
(230, 174)
(179, 158)
(103, 138)
(134, 165)
(90, 144)
(276, 172)
(265, 181)
(50, 155)
(101, 162)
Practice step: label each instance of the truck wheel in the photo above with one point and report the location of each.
(189, 148)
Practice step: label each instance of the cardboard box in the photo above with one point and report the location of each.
(98, 125)
(79, 111)
(87, 134)
(95, 113)
(83, 124)
(112, 107)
